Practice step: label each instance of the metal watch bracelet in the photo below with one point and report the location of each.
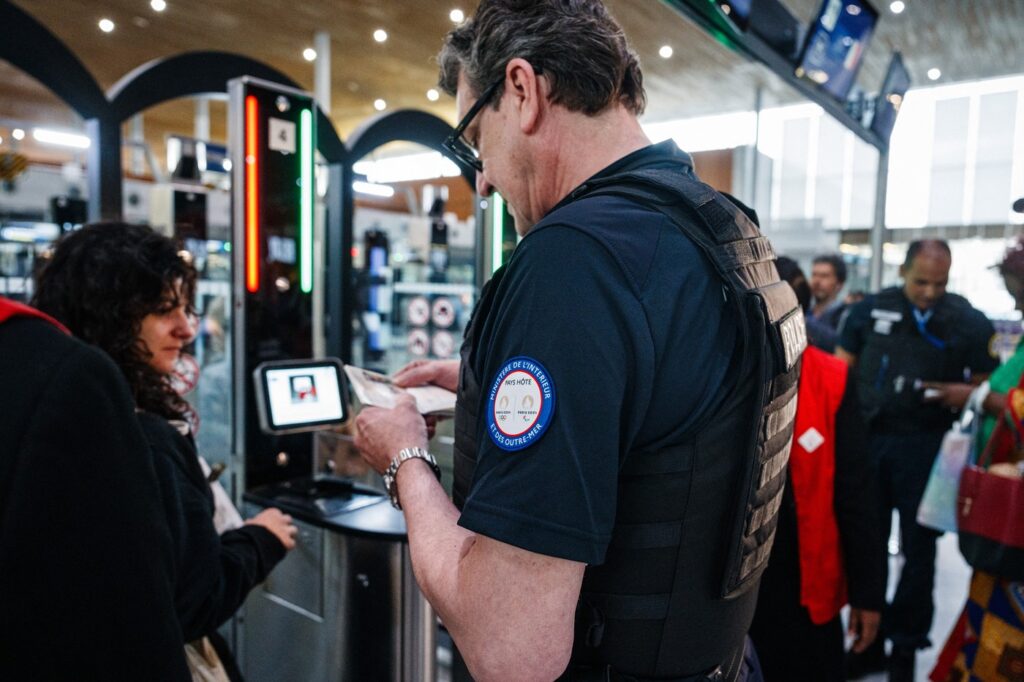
(391, 472)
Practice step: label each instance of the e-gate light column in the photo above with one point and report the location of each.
(273, 138)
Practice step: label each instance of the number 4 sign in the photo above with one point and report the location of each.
(281, 135)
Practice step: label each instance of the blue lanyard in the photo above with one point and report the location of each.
(922, 319)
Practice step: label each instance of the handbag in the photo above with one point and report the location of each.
(990, 507)
(939, 501)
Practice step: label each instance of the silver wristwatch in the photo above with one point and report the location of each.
(392, 470)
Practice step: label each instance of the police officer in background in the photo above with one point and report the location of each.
(625, 403)
(897, 340)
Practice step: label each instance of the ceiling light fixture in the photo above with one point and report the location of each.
(106, 25)
(897, 6)
(433, 95)
(380, 105)
(380, 35)
(309, 54)
(60, 139)
(373, 189)
(934, 74)
(158, 5)
(457, 16)
(18, 134)
(665, 52)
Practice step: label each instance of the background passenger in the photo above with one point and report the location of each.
(86, 558)
(127, 290)
(828, 276)
(825, 554)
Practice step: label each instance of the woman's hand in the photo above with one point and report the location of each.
(278, 523)
(953, 396)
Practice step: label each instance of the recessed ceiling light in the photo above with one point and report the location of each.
(897, 6)
(934, 74)
(158, 5)
(61, 139)
(380, 105)
(380, 35)
(457, 16)
(665, 52)
(106, 25)
(18, 134)
(309, 54)
(433, 95)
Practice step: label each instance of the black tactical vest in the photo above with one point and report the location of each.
(695, 520)
(897, 358)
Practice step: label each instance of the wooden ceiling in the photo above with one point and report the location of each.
(966, 39)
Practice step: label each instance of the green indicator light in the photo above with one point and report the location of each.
(497, 230)
(306, 202)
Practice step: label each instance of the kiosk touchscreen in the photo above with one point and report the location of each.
(300, 395)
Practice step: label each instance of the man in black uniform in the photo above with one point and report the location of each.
(627, 384)
(897, 340)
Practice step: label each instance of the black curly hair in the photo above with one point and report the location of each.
(101, 281)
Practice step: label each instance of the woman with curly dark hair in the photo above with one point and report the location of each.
(128, 290)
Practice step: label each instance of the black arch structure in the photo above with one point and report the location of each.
(185, 75)
(30, 46)
(406, 125)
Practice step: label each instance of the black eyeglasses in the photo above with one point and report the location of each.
(457, 144)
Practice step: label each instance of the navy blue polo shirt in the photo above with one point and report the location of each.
(628, 319)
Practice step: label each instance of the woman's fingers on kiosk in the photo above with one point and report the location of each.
(278, 523)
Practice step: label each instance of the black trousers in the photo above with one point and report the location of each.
(904, 462)
(790, 647)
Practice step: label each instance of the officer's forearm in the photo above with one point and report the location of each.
(509, 611)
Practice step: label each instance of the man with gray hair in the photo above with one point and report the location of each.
(626, 388)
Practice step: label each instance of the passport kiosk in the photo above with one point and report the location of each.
(343, 605)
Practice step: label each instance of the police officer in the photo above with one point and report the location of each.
(898, 340)
(627, 385)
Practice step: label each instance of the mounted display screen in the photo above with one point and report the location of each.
(836, 43)
(890, 98)
(300, 395)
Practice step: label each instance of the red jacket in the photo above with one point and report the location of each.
(9, 309)
(812, 467)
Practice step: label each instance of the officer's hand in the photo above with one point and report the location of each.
(381, 434)
(443, 373)
(863, 628)
(951, 395)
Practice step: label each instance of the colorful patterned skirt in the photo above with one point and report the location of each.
(987, 642)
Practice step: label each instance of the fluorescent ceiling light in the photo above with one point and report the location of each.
(422, 166)
(61, 139)
(373, 189)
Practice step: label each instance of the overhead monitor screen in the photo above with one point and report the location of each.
(300, 395)
(836, 43)
(890, 98)
(737, 10)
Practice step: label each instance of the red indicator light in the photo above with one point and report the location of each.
(252, 216)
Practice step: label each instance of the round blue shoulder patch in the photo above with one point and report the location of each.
(520, 404)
